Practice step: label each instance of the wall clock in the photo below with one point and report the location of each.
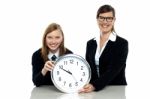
(71, 72)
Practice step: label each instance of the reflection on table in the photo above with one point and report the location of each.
(50, 92)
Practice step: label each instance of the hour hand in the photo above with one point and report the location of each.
(68, 73)
(66, 70)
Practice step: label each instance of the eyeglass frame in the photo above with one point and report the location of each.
(108, 19)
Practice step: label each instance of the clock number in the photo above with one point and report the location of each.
(81, 80)
(81, 67)
(71, 61)
(59, 79)
(64, 83)
(83, 74)
(76, 83)
(60, 66)
(70, 85)
(57, 72)
(65, 62)
(77, 63)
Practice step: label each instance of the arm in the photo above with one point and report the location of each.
(37, 65)
(40, 69)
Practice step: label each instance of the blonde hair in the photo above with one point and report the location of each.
(45, 49)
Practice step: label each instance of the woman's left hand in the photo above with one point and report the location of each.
(87, 88)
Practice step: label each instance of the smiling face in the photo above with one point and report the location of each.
(54, 40)
(106, 22)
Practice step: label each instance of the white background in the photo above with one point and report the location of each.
(22, 24)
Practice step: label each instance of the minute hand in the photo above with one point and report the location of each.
(66, 71)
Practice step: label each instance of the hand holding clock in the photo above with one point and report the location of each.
(48, 66)
(87, 88)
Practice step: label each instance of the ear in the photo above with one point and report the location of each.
(114, 18)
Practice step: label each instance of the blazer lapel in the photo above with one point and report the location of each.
(107, 48)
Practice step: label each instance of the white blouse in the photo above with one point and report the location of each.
(99, 51)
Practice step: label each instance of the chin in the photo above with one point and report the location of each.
(53, 49)
(106, 31)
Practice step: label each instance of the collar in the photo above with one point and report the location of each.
(112, 37)
(50, 54)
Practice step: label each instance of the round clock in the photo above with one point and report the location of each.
(71, 72)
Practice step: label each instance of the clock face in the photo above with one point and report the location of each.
(71, 73)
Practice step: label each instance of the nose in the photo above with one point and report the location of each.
(53, 41)
(105, 20)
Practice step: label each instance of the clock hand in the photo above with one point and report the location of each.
(69, 73)
(66, 71)
(73, 76)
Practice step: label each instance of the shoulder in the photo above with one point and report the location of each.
(121, 43)
(93, 40)
(121, 40)
(68, 51)
(37, 53)
(37, 57)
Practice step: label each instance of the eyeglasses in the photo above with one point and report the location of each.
(108, 19)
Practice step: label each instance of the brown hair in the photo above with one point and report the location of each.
(104, 9)
(45, 49)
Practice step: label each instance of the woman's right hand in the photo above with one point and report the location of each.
(48, 66)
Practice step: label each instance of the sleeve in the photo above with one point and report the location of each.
(90, 56)
(117, 63)
(37, 63)
(87, 52)
(68, 51)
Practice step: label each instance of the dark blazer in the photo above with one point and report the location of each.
(112, 63)
(37, 65)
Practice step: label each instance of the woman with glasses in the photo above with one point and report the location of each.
(43, 58)
(106, 53)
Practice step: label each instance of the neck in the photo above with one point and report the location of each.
(105, 36)
(54, 51)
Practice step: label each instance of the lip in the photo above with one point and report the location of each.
(52, 45)
(105, 26)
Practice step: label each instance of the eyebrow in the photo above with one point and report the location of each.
(106, 17)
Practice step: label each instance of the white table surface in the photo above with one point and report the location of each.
(50, 92)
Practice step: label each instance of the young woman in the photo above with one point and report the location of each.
(43, 58)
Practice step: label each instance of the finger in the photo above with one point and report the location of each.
(48, 67)
(81, 90)
(50, 63)
(86, 86)
(84, 89)
(53, 62)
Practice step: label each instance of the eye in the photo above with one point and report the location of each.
(109, 18)
(57, 37)
(49, 37)
(100, 17)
